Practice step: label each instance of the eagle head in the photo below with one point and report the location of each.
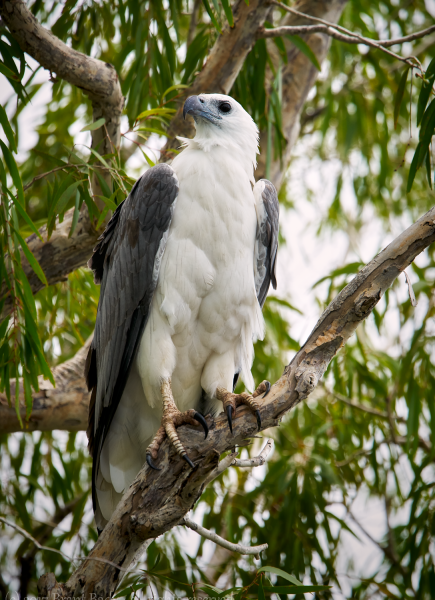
(222, 121)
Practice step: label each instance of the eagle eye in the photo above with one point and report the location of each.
(225, 107)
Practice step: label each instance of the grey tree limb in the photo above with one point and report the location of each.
(157, 501)
(62, 254)
(220, 541)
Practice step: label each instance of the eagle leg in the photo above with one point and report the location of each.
(171, 419)
(231, 401)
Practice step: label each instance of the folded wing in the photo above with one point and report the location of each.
(126, 263)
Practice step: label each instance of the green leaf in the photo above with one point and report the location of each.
(65, 197)
(427, 123)
(400, 93)
(31, 259)
(4, 121)
(428, 169)
(417, 161)
(103, 215)
(261, 595)
(8, 73)
(152, 130)
(179, 86)
(423, 98)
(281, 573)
(77, 206)
(228, 12)
(95, 125)
(156, 111)
(305, 49)
(23, 214)
(13, 169)
(296, 589)
(211, 15)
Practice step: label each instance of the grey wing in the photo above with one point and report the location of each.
(126, 262)
(266, 243)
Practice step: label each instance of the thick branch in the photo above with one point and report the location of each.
(98, 80)
(65, 406)
(159, 500)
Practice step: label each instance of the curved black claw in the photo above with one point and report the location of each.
(230, 417)
(268, 389)
(198, 417)
(151, 464)
(257, 414)
(189, 462)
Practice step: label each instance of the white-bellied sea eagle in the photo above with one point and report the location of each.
(185, 265)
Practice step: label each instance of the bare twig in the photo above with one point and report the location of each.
(362, 407)
(332, 30)
(209, 535)
(257, 461)
(232, 461)
(385, 549)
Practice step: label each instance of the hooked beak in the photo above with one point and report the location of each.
(197, 107)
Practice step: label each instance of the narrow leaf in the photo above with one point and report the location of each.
(95, 125)
(428, 169)
(156, 111)
(13, 169)
(305, 49)
(399, 95)
(8, 73)
(423, 98)
(296, 589)
(31, 258)
(4, 121)
(228, 12)
(281, 573)
(261, 595)
(211, 15)
(24, 215)
(179, 86)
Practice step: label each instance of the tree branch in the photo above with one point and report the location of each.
(298, 77)
(159, 500)
(217, 539)
(99, 81)
(349, 38)
(64, 406)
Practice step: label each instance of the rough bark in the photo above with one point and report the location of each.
(158, 500)
(298, 77)
(99, 81)
(64, 406)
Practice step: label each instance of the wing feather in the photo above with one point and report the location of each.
(124, 263)
(266, 245)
